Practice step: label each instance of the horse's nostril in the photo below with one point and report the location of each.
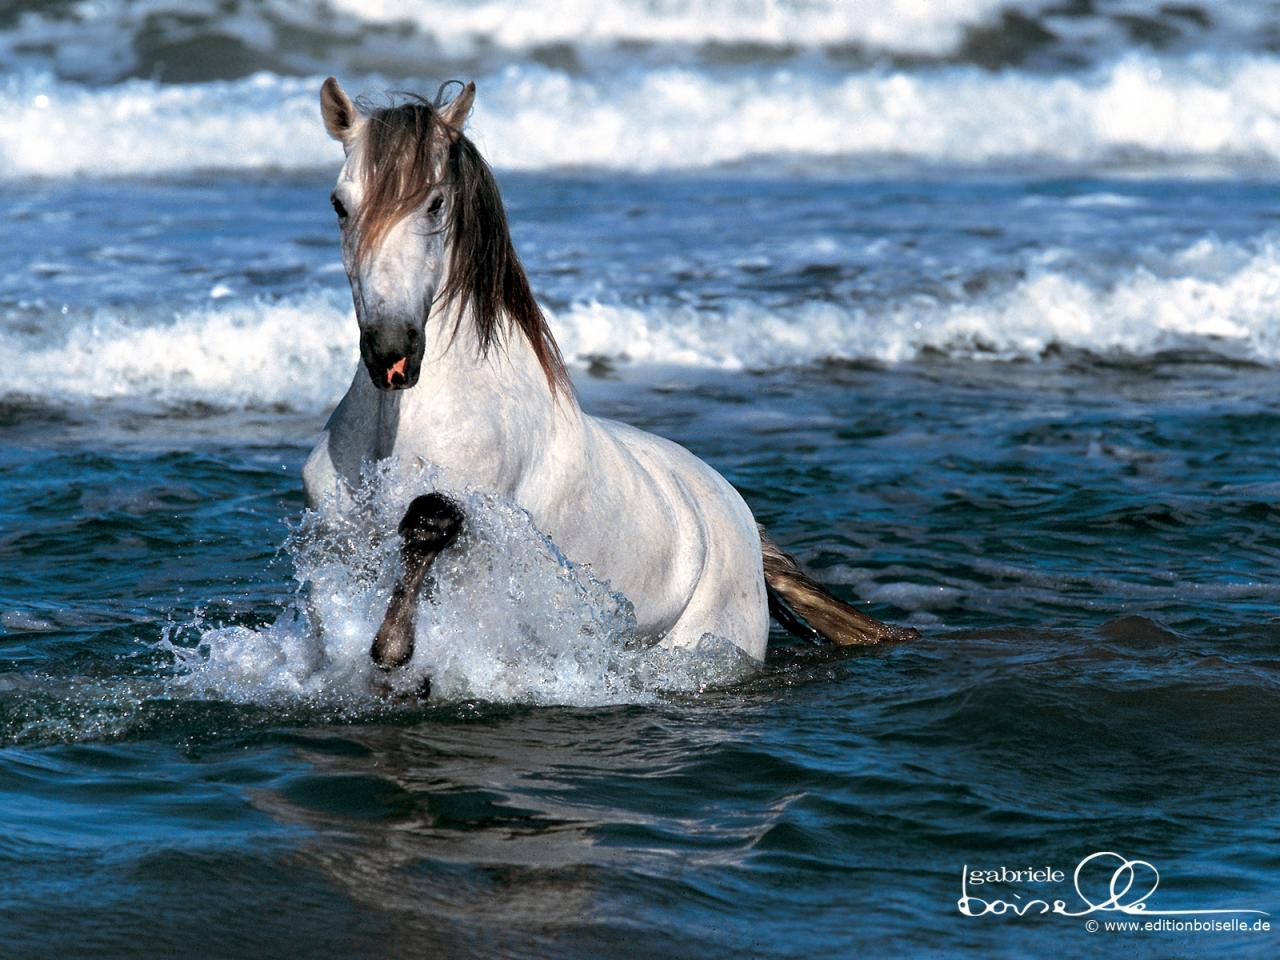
(413, 334)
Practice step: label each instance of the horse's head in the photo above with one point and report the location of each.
(394, 202)
(423, 228)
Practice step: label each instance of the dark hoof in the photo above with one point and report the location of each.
(431, 523)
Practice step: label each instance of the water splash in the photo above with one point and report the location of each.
(511, 619)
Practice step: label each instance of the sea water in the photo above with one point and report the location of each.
(976, 304)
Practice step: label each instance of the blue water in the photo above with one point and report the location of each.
(1029, 407)
(1083, 541)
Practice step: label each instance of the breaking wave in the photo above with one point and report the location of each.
(1140, 108)
(296, 353)
(299, 353)
(184, 41)
(1214, 297)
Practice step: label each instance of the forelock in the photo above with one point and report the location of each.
(397, 167)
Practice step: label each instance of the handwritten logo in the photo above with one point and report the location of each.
(1127, 890)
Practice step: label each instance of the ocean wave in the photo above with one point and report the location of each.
(299, 353)
(200, 40)
(1212, 297)
(1201, 109)
(897, 25)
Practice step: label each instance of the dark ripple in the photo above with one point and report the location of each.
(822, 781)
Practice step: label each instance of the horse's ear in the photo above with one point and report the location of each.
(454, 113)
(340, 114)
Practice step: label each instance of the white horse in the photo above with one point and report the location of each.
(460, 369)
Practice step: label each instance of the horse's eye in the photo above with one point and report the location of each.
(338, 208)
(433, 209)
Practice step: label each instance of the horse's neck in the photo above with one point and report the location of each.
(487, 419)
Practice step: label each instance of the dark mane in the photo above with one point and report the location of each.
(486, 278)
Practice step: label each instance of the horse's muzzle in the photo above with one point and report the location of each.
(393, 372)
(392, 354)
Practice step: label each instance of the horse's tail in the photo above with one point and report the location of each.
(798, 603)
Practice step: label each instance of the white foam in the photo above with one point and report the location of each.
(1212, 295)
(101, 40)
(108, 39)
(903, 25)
(1220, 297)
(1202, 108)
(510, 619)
(297, 353)
(54, 128)
(300, 353)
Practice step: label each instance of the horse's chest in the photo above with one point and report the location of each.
(473, 441)
(472, 451)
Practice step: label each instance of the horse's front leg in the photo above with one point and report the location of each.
(430, 524)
